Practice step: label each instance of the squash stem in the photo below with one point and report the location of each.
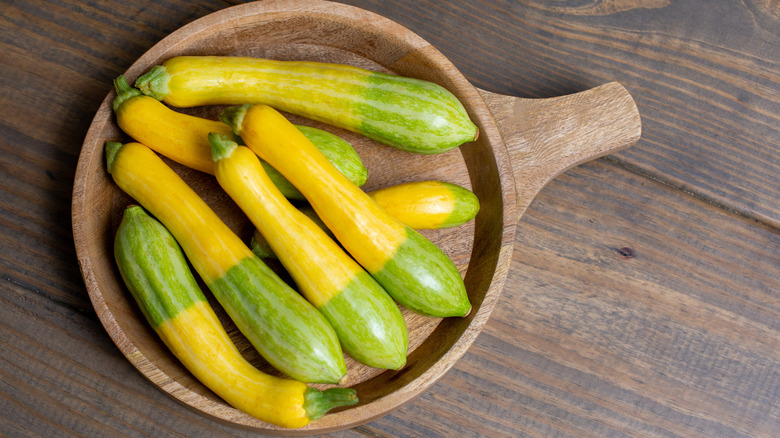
(222, 146)
(154, 83)
(123, 91)
(112, 147)
(317, 403)
(234, 117)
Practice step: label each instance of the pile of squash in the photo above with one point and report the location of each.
(351, 254)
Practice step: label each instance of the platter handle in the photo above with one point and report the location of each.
(547, 136)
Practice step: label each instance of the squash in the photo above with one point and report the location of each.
(156, 273)
(285, 329)
(406, 113)
(367, 321)
(428, 205)
(413, 270)
(184, 138)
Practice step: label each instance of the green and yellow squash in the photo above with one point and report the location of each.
(367, 321)
(406, 113)
(155, 271)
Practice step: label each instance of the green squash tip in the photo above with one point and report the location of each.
(135, 210)
(317, 403)
(112, 147)
(234, 117)
(123, 92)
(154, 83)
(222, 146)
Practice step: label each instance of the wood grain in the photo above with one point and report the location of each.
(585, 341)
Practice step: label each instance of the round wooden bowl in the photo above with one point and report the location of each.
(523, 143)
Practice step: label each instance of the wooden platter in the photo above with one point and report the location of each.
(523, 144)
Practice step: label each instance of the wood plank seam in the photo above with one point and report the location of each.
(617, 161)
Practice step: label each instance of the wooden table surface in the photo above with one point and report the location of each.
(643, 297)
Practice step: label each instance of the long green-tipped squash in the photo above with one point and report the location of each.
(412, 269)
(184, 138)
(421, 205)
(367, 321)
(155, 271)
(285, 329)
(406, 113)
